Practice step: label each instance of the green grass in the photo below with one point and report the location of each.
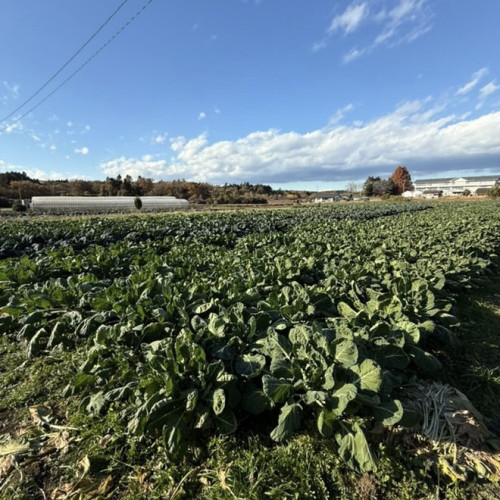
(474, 368)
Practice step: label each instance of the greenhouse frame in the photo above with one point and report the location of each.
(84, 204)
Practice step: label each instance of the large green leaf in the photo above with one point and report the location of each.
(288, 422)
(391, 356)
(389, 413)
(315, 397)
(354, 449)
(277, 389)
(121, 393)
(277, 345)
(362, 453)
(329, 379)
(326, 421)
(281, 367)
(83, 380)
(37, 342)
(346, 353)
(300, 336)
(346, 311)
(218, 401)
(369, 375)
(254, 400)
(342, 397)
(226, 422)
(411, 330)
(249, 365)
(216, 325)
(96, 402)
(424, 360)
(173, 431)
(204, 308)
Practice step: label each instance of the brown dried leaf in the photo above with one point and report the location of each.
(63, 492)
(61, 441)
(84, 465)
(105, 440)
(7, 464)
(106, 486)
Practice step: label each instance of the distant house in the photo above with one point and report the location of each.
(331, 196)
(412, 194)
(455, 186)
(432, 193)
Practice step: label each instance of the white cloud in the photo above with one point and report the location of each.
(134, 167)
(485, 92)
(35, 138)
(405, 22)
(488, 89)
(69, 124)
(177, 143)
(398, 21)
(415, 133)
(475, 79)
(34, 173)
(350, 20)
(340, 113)
(354, 53)
(159, 138)
(202, 115)
(12, 127)
(82, 151)
(10, 91)
(319, 45)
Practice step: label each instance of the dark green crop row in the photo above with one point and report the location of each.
(314, 322)
(32, 237)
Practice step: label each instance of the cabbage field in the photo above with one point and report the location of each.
(181, 329)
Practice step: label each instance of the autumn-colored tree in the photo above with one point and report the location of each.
(402, 180)
(144, 186)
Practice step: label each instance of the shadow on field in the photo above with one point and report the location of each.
(474, 368)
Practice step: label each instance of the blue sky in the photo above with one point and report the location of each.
(293, 93)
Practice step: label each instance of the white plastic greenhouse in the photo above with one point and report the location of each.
(83, 204)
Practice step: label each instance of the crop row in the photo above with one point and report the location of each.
(320, 324)
(32, 237)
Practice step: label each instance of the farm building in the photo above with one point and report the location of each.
(454, 186)
(331, 196)
(412, 194)
(104, 203)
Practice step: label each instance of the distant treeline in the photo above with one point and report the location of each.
(17, 185)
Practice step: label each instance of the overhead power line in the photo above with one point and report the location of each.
(93, 56)
(66, 63)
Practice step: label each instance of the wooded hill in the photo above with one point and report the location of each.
(16, 185)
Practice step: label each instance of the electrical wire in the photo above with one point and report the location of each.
(66, 63)
(95, 54)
